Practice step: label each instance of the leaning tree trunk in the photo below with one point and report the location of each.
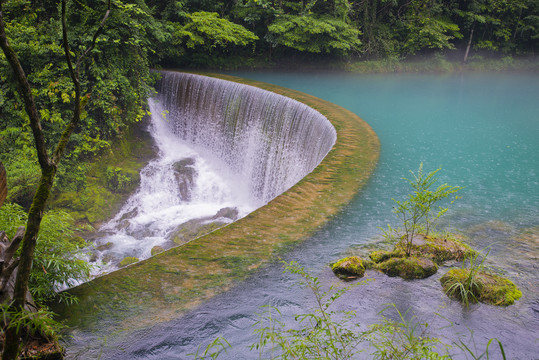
(3, 184)
(469, 45)
(49, 165)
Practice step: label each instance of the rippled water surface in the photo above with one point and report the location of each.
(483, 130)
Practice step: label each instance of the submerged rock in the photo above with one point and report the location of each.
(185, 174)
(408, 267)
(485, 287)
(349, 268)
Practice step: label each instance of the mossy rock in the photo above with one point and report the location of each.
(349, 268)
(106, 246)
(490, 289)
(128, 261)
(156, 250)
(439, 249)
(383, 255)
(195, 228)
(408, 267)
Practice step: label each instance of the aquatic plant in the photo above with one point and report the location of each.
(474, 284)
(467, 287)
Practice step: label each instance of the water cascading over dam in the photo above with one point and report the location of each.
(265, 139)
(224, 148)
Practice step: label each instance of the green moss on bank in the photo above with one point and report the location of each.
(110, 179)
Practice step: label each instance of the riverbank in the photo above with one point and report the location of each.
(436, 63)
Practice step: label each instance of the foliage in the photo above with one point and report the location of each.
(56, 264)
(327, 334)
(322, 333)
(416, 212)
(473, 284)
(322, 34)
(39, 323)
(403, 339)
(120, 180)
(468, 289)
(207, 30)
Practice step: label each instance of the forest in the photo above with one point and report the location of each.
(145, 34)
(115, 78)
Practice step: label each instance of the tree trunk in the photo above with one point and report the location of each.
(48, 165)
(469, 45)
(3, 184)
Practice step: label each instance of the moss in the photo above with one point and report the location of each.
(408, 267)
(438, 248)
(349, 268)
(490, 289)
(156, 250)
(100, 199)
(128, 261)
(382, 255)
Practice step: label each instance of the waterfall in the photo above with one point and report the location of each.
(225, 149)
(267, 139)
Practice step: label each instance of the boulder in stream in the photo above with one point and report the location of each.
(185, 173)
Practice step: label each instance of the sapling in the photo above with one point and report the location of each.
(416, 212)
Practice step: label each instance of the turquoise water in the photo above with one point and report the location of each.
(483, 131)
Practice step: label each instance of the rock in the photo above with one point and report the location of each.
(408, 267)
(437, 249)
(382, 255)
(231, 213)
(104, 247)
(193, 229)
(488, 288)
(128, 261)
(185, 174)
(156, 250)
(349, 268)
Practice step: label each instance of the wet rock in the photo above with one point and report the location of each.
(109, 258)
(128, 261)
(231, 213)
(185, 174)
(103, 247)
(408, 267)
(195, 228)
(156, 250)
(349, 268)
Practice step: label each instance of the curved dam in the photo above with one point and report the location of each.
(271, 145)
(266, 141)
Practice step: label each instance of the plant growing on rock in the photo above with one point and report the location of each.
(475, 284)
(416, 213)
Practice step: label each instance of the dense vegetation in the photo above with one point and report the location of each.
(142, 34)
